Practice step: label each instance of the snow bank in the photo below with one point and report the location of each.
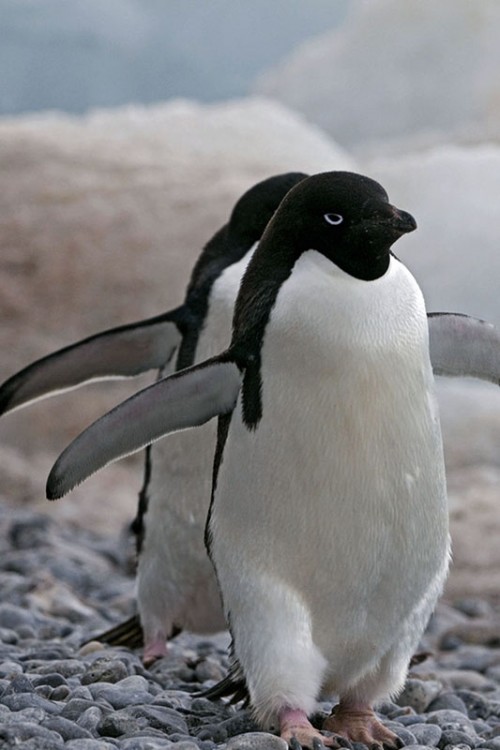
(398, 69)
(102, 218)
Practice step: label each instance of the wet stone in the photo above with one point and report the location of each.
(67, 729)
(160, 717)
(85, 744)
(90, 719)
(75, 707)
(116, 724)
(105, 670)
(418, 694)
(257, 741)
(426, 734)
(18, 701)
(476, 704)
(59, 693)
(19, 684)
(16, 733)
(448, 701)
(53, 679)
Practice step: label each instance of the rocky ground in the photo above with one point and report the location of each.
(61, 585)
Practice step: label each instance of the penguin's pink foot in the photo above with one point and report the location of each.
(297, 731)
(154, 649)
(358, 723)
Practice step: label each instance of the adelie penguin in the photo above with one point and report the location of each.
(176, 587)
(328, 526)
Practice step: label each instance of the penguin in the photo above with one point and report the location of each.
(171, 509)
(328, 521)
(175, 584)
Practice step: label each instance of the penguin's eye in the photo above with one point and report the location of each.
(334, 219)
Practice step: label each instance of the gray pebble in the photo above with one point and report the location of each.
(455, 738)
(8, 636)
(418, 694)
(105, 670)
(426, 734)
(75, 707)
(450, 720)
(44, 690)
(90, 719)
(81, 692)
(160, 717)
(448, 701)
(54, 679)
(147, 743)
(239, 724)
(209, 669)
(64, 667)
(66, 728)
(18, 701)
(493, 744)
(23, 731)
(119, 697)
(15, 617)
(407, 737)
(257, 741)
(214, 732)
(116, 724)
(19, 684)
(89, 745)
(8, 668)
(34, 715)
(60, 693)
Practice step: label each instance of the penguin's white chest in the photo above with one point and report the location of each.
(339, 494)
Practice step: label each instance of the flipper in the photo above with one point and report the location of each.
(461, 346)
(186, 399)
(122, 352)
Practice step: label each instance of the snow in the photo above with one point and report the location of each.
(397, 70)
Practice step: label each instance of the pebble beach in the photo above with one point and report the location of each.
(60, 586)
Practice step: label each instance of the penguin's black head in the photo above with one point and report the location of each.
(256, 207)
(348, 218)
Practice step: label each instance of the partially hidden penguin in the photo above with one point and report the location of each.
(328, 522)
(176, 587)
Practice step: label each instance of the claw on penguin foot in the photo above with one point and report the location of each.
(359, 724)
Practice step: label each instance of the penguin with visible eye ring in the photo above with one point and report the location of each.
(328, 526)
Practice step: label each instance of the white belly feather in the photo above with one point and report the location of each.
(175, 581)
(337, 501)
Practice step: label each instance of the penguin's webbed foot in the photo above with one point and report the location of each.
(298, 732)
(359, 724)
(153, 650)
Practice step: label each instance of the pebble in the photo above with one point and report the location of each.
(56, 694)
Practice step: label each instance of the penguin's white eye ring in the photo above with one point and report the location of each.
(334, 219)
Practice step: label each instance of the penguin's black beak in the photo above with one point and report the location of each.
(401, 221)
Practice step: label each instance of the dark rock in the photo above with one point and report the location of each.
(116, 724)
(446, 702)
(160, 717)
(66, 728)
(18, 701)
(426, 734)
(105, 670)
(476, 705)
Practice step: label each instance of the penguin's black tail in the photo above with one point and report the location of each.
(128, 633)
(233, 686)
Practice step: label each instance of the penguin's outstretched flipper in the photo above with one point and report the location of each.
(122, 352)
(462, 346)
(189, 398)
